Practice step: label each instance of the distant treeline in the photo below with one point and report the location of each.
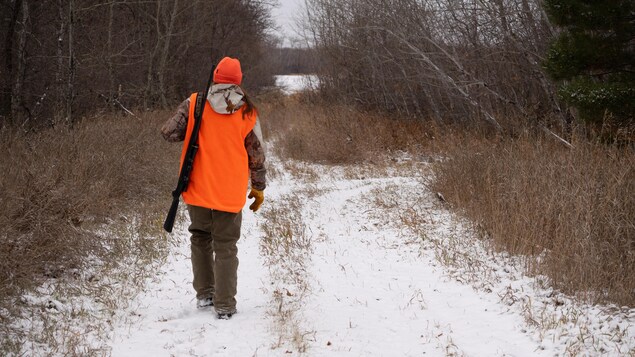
(295, 60)
(63, 59)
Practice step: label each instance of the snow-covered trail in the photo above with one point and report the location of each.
(371, 292)
(362, 285)
(376, 293)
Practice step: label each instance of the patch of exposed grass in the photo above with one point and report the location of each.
(286, 247)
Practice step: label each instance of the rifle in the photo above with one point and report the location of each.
(188, 161)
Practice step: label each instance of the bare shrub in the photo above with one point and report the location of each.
(573, 210)
(448, 60)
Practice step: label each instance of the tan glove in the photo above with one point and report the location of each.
(259, 198)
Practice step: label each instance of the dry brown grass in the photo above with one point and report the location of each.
(572, 210)
(286, 248)
(338, 134)
(70, 198)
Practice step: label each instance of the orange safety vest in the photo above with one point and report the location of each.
(220, 175)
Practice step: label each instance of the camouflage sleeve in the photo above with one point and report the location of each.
(174, 129)
(256, 155)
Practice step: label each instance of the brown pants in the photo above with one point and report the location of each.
(214, 255)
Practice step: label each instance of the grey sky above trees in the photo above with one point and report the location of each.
(285, 16)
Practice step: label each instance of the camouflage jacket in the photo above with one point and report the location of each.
(219, 97)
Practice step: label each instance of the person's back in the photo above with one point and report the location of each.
(230, 153)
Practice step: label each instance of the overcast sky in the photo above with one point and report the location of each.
(285, 15)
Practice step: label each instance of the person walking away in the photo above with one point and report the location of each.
(230, 154)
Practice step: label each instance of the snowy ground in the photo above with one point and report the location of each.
(358, 263)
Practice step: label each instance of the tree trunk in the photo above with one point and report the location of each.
(502, 15)
(111, 73)
(5, 101)
(164, 54)
(16, 91)
(70, 95)
(149, 92)
(529, 20)
(61, 67)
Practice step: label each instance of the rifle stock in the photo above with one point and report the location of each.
(169, 220)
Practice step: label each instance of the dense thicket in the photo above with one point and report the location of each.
(447, 60)
(595, 56)
(62, 59)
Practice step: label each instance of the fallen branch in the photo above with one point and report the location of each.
(557, 137)
(124, 108)
(116, 101)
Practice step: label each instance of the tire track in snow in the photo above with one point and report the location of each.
(375, 292)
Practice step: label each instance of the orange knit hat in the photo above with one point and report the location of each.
(228, 71)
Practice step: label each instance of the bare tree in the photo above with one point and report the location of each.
(460, 60)
(70, 89)
(66, 58)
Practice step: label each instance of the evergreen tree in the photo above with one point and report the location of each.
(594, 56)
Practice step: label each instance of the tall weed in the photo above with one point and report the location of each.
(572, 209)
